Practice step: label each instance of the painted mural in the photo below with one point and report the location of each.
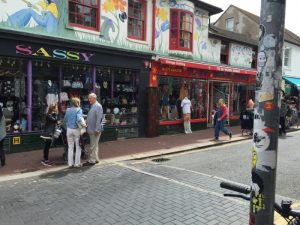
(48, 17)
(204, 48)
(39, 15)
(240, 56)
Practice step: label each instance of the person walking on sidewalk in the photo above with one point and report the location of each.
(186, 110)
(2, 136)
(94, 128)
(50, 126)
(282, 116)
(221, 120)
(72, 118)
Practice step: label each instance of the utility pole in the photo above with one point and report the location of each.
(266, 112)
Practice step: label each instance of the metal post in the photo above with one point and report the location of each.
(29, 96)
(266, 112)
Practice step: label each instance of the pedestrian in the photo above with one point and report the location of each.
(221, 116)
(282, 116)
(94, 128)
(73, 119)
(2, 136)
(250, 105)
(50, 126)
(186, 106)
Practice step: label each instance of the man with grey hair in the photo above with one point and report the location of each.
(94, 128)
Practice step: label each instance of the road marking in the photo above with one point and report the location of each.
(179, 183)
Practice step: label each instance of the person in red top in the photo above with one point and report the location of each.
(221, 115)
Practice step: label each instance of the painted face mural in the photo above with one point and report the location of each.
(31, 14)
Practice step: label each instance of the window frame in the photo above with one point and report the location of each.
(177, 47)
(288, 58)
(226, 54)
(98, 7)
(144, 31)
(227, 24)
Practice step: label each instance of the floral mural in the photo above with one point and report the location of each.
(162, 25)
(115, 11)
(205, 49)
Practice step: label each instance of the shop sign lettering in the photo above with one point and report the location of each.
(61, 54)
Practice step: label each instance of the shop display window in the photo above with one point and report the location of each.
(12, 94)
(76, 82)
(45, 90)
(117, 89)
(239, 101)
(171, 93)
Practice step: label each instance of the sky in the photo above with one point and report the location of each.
(292, 15)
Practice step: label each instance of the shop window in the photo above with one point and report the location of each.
(230, 24)
(84, 14)
(181, 30)
(137, 19)
(171, 92)
(239, 101)
(224, 53)
(287, 58)
(76, 82)
(13, 98)
(117, 89)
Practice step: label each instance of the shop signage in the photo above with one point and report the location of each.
(206, 66)
(16, 140)
(61, 54)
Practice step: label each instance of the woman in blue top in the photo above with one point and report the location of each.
(73, 115)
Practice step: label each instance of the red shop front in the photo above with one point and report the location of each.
(205, 84)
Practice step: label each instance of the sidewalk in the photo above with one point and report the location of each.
(19, 163)
(123, 149)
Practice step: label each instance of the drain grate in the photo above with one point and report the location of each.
(160, 160)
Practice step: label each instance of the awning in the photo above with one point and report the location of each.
(293, 80)
(198, 65)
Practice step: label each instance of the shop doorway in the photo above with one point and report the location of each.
(217, 90)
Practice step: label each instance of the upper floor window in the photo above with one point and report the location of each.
(181, 30)
(230, 24)
(254, 59)
(137, 19)
(84, 14)
(287, 57)
(224, 53)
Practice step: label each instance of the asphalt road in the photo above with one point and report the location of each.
(233, 162)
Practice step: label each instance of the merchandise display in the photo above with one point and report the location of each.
(118, 94)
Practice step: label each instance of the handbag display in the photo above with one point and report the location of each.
(67, 83)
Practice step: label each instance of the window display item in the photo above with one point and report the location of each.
(116, 110)
(63, 97)
(67, 83)
(77, 84)
(17, 128)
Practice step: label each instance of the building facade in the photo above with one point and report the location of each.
(243, 22)
(122, 50)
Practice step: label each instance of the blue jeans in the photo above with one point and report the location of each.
(220, 127)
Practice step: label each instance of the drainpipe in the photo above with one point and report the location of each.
(153, 24)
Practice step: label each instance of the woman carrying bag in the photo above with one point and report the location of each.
(74, 122)
(50, 126)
